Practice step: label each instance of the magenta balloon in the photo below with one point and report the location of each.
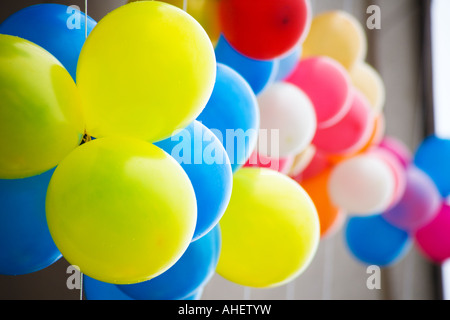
(433, 240)
(419, 205)
(327, 85)
(398, 149)
(351, 133)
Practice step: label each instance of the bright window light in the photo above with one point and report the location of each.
(440, 28)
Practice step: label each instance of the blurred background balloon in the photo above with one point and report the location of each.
(433, 157)
(351, 133)
(287, 63)
(328, 86)
(270, 230)
(433, 239)
(121, 209)
(362, 185)
(189, 274)
(338, 35)
(366, 79)
(258, 73)
(40, 115)
(25, 241)
(398, 149)
(59, 29)
(204, 11)
(419, 204)
(245, 25)
(140, 75)
(232, 114)
(286, 111)
(374, 241)
(203, 157)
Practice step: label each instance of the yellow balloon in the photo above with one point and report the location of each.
(270, 230)
(369, 82)
(121, 209)
(40, 110)
(204, 11)
(147, 69)
(338, 35)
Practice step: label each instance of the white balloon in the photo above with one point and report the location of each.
(362, 185)
(288, 121)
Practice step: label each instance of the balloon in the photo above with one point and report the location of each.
(366, 79)
(433, 156)
(59, 29)
(287, 112)
(373, 241)
(203, 157)
(338, 35)
(316, 165)
(351, 133)
(398, 149)
(99, 290)
(374, 140)
(204, 11)
(281, 165)
(287, 64)
(232, 114)
(270, 230)
(399, 173)
(265, 30)
(121, 209)
(191, 272)
(420, 203)
(301, 161)
(25, 242)
(327, 84)
(362, 185)
(132, 79)
(433, 239)
(259, 74)
(316, 187)
(40, 115)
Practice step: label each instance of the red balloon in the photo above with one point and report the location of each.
(351, 133)
(264, 29)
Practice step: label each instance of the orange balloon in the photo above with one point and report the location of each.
(329, 214)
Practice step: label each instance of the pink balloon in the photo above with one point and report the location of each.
(352, 132)
(433, 240)
(327, 85)
(398, 149)
(398, 170)
(419, 204)
(281, 165)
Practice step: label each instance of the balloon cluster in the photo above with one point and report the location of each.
(171, 144)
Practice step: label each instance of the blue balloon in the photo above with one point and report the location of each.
(190, 273)
(287, 64)
(57, 28)
(232, 114)
(258, 73)
(204, 159)
(373, 241)
(99, 290)
(433, 157)
(26, 245)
